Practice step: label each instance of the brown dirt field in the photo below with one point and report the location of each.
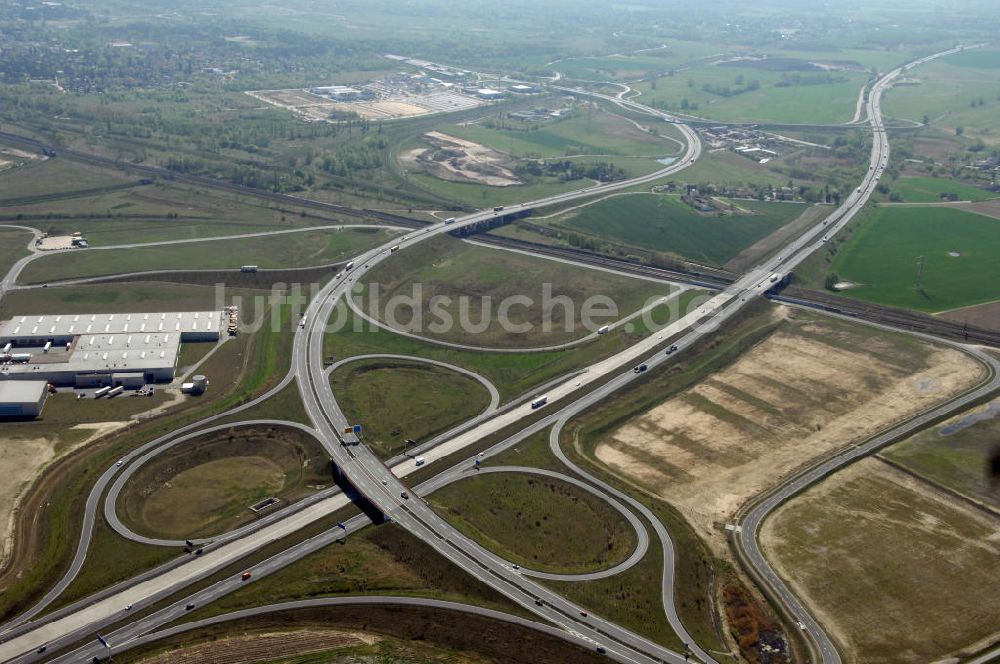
(989, 208)
(895, 569)
(262, 647)
(807, 390)
(979, 315)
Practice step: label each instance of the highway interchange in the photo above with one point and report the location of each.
(383, 488)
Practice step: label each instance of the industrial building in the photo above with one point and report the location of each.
(489, 94)
(22, 398)
(93, 350)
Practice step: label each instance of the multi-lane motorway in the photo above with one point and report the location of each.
(382, 488)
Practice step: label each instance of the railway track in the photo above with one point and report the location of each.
(701, 276)
(718, 279)
(172, 176)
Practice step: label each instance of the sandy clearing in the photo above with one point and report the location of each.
(918, 557)
(451, 158)
(806, 391)
(23, 459)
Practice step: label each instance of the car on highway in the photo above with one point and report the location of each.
(583, 613)
(120, 462)
(601, 650)
(640, 368)
(404, 495)
(245, 576)
(189, 607)
(539, 602)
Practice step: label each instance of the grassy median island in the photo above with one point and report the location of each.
(958, 251)
(923, 563)
(478, 281)
(399, 399)
(662, 222)
(286, 250)
(206, 486)
(378, 560)
(511, 373)
(539, 522)
(957, 454)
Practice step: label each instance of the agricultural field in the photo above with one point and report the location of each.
(287, 250)
(459, 287)
(207, 487)
(397, 399)
(931, 190)
(663, 223)
(957, 91)
(959, 252)
(810, 386)
(958, 454)
(916, 556)
(755, 91)
(539, 522)
(588, 131)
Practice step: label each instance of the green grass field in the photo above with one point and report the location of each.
(663, 223)
(538, 522)
(929, 190)
(729, 168)
(12, 247)
(512, 373)
(946, 90)
(590, 132)
(882, 257)
(279, 251)
(956, 453)
(51, 179)
(821, 103)
(478, 280)
(207, 487)
(395, 400)
(128, 297)
(382, 560)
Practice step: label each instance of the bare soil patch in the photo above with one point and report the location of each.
(459, 160)
(897, 570)
(978, 315)
(265, 647)
(807, 390)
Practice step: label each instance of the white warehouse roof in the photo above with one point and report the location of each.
(22, 391)
(68, 325)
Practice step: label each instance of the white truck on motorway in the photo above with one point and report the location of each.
(539, 402)
(774, 278)
(248, 268)
(603, 329)
(419, 460)
(449, 220)
(349, 266)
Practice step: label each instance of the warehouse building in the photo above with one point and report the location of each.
(94, 350)
(22, 398)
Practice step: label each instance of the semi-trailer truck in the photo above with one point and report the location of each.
(539, 402)
(349, 266)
